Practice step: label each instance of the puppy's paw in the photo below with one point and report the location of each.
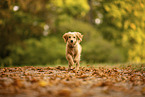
(77, 68)
(70, 68)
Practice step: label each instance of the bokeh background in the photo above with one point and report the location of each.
(31, 30)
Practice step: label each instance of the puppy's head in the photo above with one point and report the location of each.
(72, 37)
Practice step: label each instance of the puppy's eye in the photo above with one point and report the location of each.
(74, 37)
(69, 37)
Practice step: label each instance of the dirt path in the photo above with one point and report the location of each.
(58, 82)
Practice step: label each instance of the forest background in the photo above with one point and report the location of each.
(31, 31)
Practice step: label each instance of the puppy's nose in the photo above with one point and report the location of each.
(71, 41)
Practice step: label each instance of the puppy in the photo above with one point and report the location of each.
(73, 48)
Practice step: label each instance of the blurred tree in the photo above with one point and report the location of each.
(20, 20)
(123, 22)
(74, 9)
(68, 9)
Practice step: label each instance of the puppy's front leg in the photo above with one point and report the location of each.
(77, 66)
(70, 60)
(77, 60)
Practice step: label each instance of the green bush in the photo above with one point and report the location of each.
(98, 50)
(48, 50)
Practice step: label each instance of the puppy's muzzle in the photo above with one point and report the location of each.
(71, 41)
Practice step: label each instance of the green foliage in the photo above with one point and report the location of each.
(47, 50)
(16, 26)
(124, 23)
(67, 24)
(99, 50)
(77, 8)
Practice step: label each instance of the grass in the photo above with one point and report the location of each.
(135, 66)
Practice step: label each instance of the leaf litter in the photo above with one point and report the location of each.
(32, 81)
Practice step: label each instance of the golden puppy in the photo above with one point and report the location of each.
(73, 48)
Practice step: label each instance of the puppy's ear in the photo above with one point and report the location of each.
(65, 37)
(80, 36)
